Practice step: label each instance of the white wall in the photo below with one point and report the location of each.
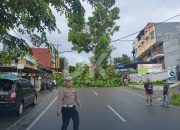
(153, 76)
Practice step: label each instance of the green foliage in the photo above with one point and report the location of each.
(72, 69)
(82, 77)
(100, 82)
(126, 60)
(7, 56)
(96, 34)
(160, 83)
(59, 80)
(32, 19)
(175, 99)
(80, 41)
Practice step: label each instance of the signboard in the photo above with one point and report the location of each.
(149, 68)
(20, 66)
(172, 74)
(8, 76)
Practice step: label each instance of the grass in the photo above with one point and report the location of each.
(175, 99)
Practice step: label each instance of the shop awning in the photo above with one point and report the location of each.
(14, 69)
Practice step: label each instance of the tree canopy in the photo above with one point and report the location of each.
(95, 35)
(33, 19)
(124, 59)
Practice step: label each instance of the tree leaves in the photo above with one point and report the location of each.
(33, 19)
(102, 24)
(126, 60)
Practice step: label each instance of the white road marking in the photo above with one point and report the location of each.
(95, 92)
(145, 97)
(132, 92)
(117, 114)
(37, 119)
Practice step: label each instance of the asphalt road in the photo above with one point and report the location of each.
(113, 109)
(10, 121)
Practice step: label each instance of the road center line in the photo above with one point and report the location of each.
(95, 92)
(117, 114)
(37, 119)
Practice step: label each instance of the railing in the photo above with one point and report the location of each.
(159, 51)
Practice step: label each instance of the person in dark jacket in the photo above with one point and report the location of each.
(165, 94)
(148, 90)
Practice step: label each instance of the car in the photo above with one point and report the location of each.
(16, 94)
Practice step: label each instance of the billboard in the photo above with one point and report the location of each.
(149, 68)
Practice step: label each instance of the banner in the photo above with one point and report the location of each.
(149, 68)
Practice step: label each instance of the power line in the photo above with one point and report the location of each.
(140, 30)
(65, 51)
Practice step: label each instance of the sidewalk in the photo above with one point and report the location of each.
(158, 90)
(174, 88)
(140, 90)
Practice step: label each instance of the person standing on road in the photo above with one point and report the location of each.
(148, 90)
(165, 93)
(67, 101)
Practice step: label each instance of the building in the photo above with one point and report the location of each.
(43, 56)
(46, 58)
(158, 43)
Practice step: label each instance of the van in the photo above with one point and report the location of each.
(16, 94)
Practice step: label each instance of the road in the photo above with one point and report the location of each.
(9, 120)
(113, 109)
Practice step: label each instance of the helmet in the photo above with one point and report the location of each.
(68, 78)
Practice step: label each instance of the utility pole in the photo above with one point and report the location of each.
(178, 69)
(57, 56)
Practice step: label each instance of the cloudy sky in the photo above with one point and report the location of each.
(134, 15)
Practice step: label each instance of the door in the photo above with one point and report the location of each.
(26, 92)
(31, 92)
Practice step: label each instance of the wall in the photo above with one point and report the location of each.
(172, 52)
(43, 56)
(154, 76)
(169, 33)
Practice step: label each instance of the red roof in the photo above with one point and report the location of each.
(43, 56)
(149, 25)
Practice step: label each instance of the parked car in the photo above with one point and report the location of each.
(16, 94)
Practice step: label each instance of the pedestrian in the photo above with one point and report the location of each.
(148, 90)
(165, 93)
(67, 102)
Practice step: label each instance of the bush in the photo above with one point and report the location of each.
(175, 99)
(113, 82)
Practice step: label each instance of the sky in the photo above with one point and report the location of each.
(134, 15)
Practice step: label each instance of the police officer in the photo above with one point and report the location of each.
(67, 102)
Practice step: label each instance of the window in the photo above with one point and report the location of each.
(6, 85)
(25, 84)
(152, 36)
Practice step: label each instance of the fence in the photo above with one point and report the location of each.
(153, 76)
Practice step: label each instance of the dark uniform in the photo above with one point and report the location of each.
(149, 91)
(165, 94)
